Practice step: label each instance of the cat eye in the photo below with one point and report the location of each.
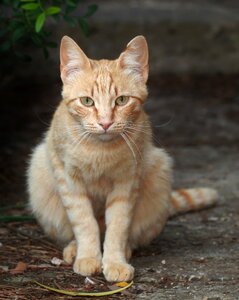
(122, 100)
(86, 101)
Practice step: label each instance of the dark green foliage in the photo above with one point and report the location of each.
(24, 24)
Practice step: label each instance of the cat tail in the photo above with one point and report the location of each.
(185, 200)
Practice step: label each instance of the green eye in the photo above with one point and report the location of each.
(87, 101)
(122, 100)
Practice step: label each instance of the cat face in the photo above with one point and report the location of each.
(104, 96)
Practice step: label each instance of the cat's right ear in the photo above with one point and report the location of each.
(73, 59)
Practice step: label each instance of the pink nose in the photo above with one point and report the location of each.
(105, 125)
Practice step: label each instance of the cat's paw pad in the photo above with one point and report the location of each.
(118, 271)
(87, 266)
(69, 252)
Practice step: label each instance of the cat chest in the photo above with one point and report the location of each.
(100, 173)
(100, 188)
(95, 175)
(96, 166)
(100, 179)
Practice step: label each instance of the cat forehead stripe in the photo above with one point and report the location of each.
(104, 84)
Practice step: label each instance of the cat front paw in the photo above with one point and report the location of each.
(118, 271)
(87, 266)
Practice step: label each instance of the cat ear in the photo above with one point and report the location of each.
(73, 59)
(134, 60)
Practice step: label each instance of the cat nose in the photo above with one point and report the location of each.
(105, 126)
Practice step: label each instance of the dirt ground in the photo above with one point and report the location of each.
(197, 256)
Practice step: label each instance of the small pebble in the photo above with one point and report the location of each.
(56, 261)
(213, 219)
(163, 261)
(4, 268)
(89, 281)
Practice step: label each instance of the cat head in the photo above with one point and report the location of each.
(104, 96)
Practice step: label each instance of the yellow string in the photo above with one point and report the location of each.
(89, 294)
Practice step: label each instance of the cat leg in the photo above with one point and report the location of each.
(44, 200)
(153, 205)
(118, 215)
(81, 216)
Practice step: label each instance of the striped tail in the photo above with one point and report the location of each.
(185, 200)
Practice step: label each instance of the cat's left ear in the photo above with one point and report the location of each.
(134, 60)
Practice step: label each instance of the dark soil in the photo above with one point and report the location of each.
(197, 255)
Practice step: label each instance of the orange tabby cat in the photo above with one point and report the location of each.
(97, 173)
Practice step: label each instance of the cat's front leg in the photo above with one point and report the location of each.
(118, 215)
(80, 213)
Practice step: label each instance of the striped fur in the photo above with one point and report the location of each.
(185, 200)
(90, 184)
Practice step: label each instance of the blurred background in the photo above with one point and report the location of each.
(194, 66)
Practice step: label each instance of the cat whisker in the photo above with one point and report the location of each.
(84, 139)
(88, 136)
(83, 136)
(127, 133)
(138, 129)
(147, 125)
(42, 121)
(150, 134)
(140, 124)
(129, 145)
(164, 124)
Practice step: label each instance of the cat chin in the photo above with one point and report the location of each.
(106, 137)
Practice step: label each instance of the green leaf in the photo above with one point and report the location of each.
(84, 26)
(30, 6)
(36, 39)
(18, 33)
(15, 3)
(40, 22)
(71, 3)
(91, 10)
(53, 10)
(27, 0)
(71, 21)
(70, 7)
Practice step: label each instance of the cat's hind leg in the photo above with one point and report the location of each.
(69, 252)
(44, 200)
(153, 204)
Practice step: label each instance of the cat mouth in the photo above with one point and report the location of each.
(106, 136)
